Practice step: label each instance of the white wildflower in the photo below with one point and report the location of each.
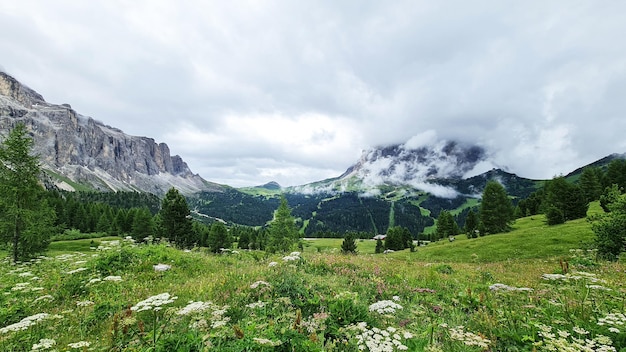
(21, 286)
(93, 281)
(47, 298)
(25, 274)
(79, 344)
(76, 271)
(113, 278)
(258, 283)
(266, 342)
(43, 344)
(24, 323)
(86, 303)
(468, 338)
(194, 307)
(271, 264)
(154, 302)
(384, 307)
(255, 305)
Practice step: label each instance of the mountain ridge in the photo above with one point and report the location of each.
(88, 152)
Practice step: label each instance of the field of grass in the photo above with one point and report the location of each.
(536, 288)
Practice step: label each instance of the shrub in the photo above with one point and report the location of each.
(554, 216)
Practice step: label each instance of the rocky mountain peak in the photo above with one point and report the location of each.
(79, 149)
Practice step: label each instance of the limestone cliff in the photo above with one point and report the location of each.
(88, 152)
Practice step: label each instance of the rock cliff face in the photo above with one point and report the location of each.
(79, 149)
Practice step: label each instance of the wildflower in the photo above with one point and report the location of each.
(258, 283)
(376, 339)
(84, 303)
(20, 286)
(271, 264)
(161, 267)
(503, 287)
(113, 278)
(254, 305)
(47, 298)
(24, 323)
(25, 274)
(43, 344)
(385, 306)
(194, 307)
(598, 287)
(396, 298)
(267, 342)
(79, 344)
(154, 302)
(580, 330)
(290, 258)
(76, 271)
(93, 281)
(468, 338)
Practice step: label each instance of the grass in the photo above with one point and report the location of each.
(493, 293)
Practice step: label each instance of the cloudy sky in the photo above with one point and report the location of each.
(293, 91)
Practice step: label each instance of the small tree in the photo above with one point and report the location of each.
(25, 218)
(348, 246)
(471, 224)
(219, 237)
(611, 230)
(143, 224)
(496, 209)
(446, 225)
(282, 230)
(175, 220)
(611, 195)
(554, 216)
(379, 246)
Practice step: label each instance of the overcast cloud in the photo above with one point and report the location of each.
(253, 91)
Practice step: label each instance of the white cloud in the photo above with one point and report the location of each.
(245, 91)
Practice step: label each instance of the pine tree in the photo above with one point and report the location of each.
(471, 224)
(590, 185)
(219, 238)
(496, 209)
(143, 224)
(282, 230)
(379, 246)
(175, 220)
(566, 197)
(446, 225)
(348, 246)
(26, 220)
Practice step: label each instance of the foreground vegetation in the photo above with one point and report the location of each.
(107, 294)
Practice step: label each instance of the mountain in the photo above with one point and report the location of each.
(78, 152)
(403, 165)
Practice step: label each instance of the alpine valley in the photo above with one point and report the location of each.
(400, 185)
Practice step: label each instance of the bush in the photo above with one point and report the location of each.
(555, 216)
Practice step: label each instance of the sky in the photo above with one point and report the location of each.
(248, 92)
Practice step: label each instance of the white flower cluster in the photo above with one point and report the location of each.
(468, 338)
(47, 298)
(503, 287)
(259, 283)
(195, 307)
(266, 342)
(615, 321)
(380, 340)
(24, 323)
(84, 303)
(579, 275)
(293, 256)
(271, 264)
(108, 245)
(76, 271)
(154, 302)
(385, 307)
(564, 341)
(113, 278)
(79, 344)
(259, 304)
(20, 286)
(44, 344)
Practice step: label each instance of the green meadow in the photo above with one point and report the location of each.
(536, 288)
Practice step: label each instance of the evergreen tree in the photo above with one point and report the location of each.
(616, 174)
(244, 239)
(379, 246)
(219, 238)
(554, 216)
(201, 233)
(143, 224)
(283, 234)
(566, 197)
(175, 219)
(471, 224)
(590, 184)
(496, 209)
(398, 238)
(446, 225)
(26, 220)
(348, 246)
